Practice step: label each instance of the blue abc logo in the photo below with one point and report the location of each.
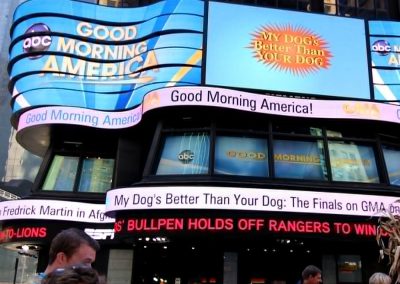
(36, 43)
(382, 47)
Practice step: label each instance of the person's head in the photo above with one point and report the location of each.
(71, 247)
(72, 275)
(380, 278)
(311, 275)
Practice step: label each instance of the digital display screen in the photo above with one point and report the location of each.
(62, 173)
(354, 163)
(96, 175)
(278, 50)
(186, 154)
(392, 158)
(99, 57)
(299, 160)
(243, 156)
(385, 61)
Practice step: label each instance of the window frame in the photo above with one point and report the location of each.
(391, 146)
(238, 135)
(161, 138)
(324, 132)
(78, 176)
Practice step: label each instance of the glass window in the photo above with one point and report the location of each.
(347, 8)
(382, 4)
(299, 159)
(350, 162)
(185, 154)
(382, 9)
(112, 3)
(289, 128)
(266, 3)
(392, 161)
(366, 9)
(366, 4)
(352, 130)
(349, 269)
(242, 156)
(330, 7)
(62, 173)
(289, 4)
(303, 5)
(96, 175)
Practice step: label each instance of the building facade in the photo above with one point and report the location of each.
(208, 141)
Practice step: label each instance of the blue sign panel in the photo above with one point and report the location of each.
(101, 57)
(245, 156)
(278, 50)
(385, 59)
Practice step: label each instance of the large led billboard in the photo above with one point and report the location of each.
(385, 60)
(70, 53)
(279, 50)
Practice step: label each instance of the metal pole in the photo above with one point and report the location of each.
(15, 270)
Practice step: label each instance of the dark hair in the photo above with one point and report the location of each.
(310, 270)
(68, 241)
(72, 275)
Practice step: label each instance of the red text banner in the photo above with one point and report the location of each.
(143, 226)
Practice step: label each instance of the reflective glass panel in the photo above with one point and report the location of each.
(350, 162)
(243, 156)
(96, 175)
(299, 159)
(186, 154)
(392, 161)
(62, 173)
(349, 268)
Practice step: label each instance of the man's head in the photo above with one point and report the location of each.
(311, 275)
(73, 275)
(71, 247)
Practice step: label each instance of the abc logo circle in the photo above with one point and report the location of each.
(382, 47)
(36, 43)
(186, 156)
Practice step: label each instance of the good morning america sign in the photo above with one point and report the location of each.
(105, 58)
(384, 38)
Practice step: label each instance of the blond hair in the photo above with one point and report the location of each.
(380, 278)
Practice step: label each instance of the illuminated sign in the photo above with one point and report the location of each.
(249, 199)
(382, 47)
(16, 233)
(385, 60)
(100, 234)
(140, 226)
(292, 49)
(241, 156)
(11, 234)
(186, 156)
(278, 50)
(295, 158)
(53, 210)
(215, 97)
(104, 63)
(34, 44)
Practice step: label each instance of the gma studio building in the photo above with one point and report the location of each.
(204, 141)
